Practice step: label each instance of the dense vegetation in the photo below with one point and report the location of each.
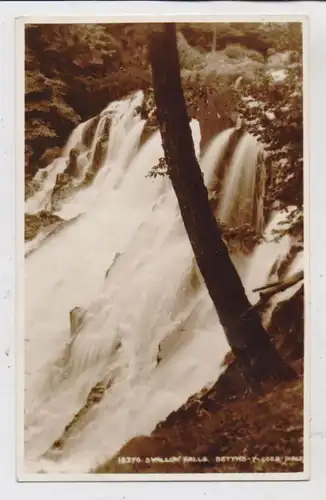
(74, 70)
(72, 73)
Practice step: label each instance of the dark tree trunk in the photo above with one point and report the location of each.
(255, 354)
(214, 38)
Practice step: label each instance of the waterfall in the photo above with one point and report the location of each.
(124, 123)
(240, 171)
(238, 193)
(127, 264)
(75, 138)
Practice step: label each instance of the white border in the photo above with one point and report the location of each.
(22, 476)
(20, 262)
(317, 108)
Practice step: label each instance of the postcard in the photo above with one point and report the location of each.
(162, 305)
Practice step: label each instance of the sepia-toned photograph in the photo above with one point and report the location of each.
(164, 260)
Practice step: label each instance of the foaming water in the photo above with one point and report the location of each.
(41, 200)
(214, 151)
(75, 138)
(240, 170)
(123, 139)
(127, 263)
(238, 194)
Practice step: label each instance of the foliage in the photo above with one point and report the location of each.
(260, 37)
(73, 70)
(243, 238)
(275, 116)
(190, 58)
(159, 170)
(38, 128)
(273, 112)
(235, 51)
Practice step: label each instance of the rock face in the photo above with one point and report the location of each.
(89, 131)
(33, 223)
(116, 257)
(213, 109)
(72, 167)
(213, 112)
(287, 327)
(101, 150)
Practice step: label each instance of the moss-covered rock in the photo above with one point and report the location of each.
(34, 222)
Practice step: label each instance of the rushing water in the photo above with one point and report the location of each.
(126, 262)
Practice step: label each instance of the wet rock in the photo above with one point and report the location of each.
(117, 255)
(72, 167)
(76, 319)
(62, 188)
(89, 131)
(101, 149)
(95, 396)
(35, 222)
(61, 181)
(89, 177)
(31, 186)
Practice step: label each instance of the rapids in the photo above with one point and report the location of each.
(132, 304)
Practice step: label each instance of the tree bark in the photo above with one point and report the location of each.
(256, 356)
(214, 38)
(267, 291)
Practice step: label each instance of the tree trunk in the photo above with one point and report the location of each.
(255, 354)
(214, 38)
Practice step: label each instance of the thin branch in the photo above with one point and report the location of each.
(273, 288)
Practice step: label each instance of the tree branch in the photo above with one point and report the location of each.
(269, 290)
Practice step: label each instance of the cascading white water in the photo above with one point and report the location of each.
(126, 127)
(133, 304)
(241, 192)
(213, 153)
(47, 178)
(75, 138)
(239, 187)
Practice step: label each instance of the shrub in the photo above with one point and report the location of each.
(235, 51)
